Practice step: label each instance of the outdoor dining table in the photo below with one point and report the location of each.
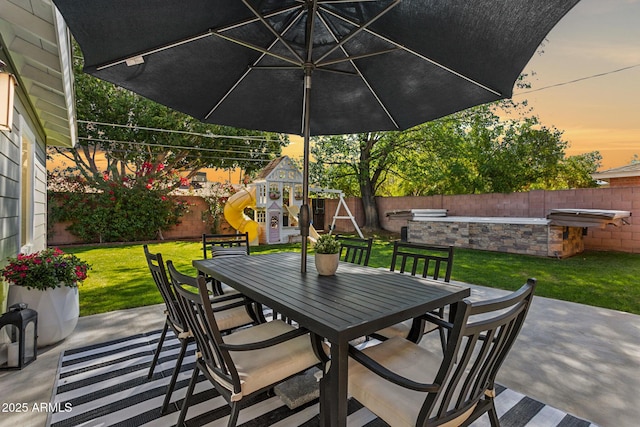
(355, 302)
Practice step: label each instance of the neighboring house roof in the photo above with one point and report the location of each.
(35, 45)
(622, 172)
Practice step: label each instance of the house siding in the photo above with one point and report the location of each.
(626, 181)
(39, 241)
(10, 191)
(9, 194)
(9, 203)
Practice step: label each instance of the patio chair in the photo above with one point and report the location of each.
(244, 363)
(175, 319)
(216, 245)
(234, 243)
(405, 384)
(355, 250)
(434, 262)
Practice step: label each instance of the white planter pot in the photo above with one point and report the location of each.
(58, 310)
(327, 264)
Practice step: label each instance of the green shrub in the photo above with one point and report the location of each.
(134, 208)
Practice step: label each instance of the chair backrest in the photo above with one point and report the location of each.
(482, 335)
(159, 274)
(212, 241)
(354, 250)
(426, 260)
(201, 320)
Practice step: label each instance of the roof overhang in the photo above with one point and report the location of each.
(36, 46)
(626, 171)
(614, 174)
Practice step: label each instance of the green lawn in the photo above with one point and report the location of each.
(120, 278)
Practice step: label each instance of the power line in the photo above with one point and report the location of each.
(180, 147)
(203, 157)
(184, 132)
(578, 80)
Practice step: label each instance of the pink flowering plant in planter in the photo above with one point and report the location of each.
(47, 269)
(274, 194)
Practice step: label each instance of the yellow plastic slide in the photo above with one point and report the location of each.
(294, 211)
(235, 216)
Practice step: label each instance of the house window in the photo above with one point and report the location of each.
(200, 177)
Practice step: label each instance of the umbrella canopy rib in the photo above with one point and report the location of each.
(254, 66)
(413, 52)
(359, 29)
(272, 30)
(134, 59)
(351, 59)
(138, 58)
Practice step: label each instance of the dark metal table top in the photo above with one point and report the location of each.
(356, 301)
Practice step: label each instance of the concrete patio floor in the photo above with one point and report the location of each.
(580, 359)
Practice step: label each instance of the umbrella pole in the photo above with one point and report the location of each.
(304, 211)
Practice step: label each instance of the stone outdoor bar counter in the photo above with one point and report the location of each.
(559, 235)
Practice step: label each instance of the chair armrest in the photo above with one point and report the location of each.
(266, 343)
(235, 304)
(436, 321)
(389, 375)
(223, 298)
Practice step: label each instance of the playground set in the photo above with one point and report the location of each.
(275, 197)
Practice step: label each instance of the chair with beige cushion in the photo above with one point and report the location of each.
(238, 314)
(245, 362)
(407, 385)
(429, 261)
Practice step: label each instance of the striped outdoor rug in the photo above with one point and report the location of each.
(106, 385)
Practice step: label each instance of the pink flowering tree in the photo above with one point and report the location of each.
(120, 208)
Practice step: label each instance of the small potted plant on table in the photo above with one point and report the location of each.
(47, 281)
(327, 256)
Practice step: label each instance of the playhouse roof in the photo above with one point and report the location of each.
(285, 168)
(264, 173)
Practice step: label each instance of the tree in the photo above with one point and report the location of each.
(357, 164)
(574, 172)
(131, 208)
(478, 150)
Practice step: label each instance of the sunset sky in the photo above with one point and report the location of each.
(598, 113)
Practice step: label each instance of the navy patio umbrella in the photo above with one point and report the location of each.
(312, 67)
